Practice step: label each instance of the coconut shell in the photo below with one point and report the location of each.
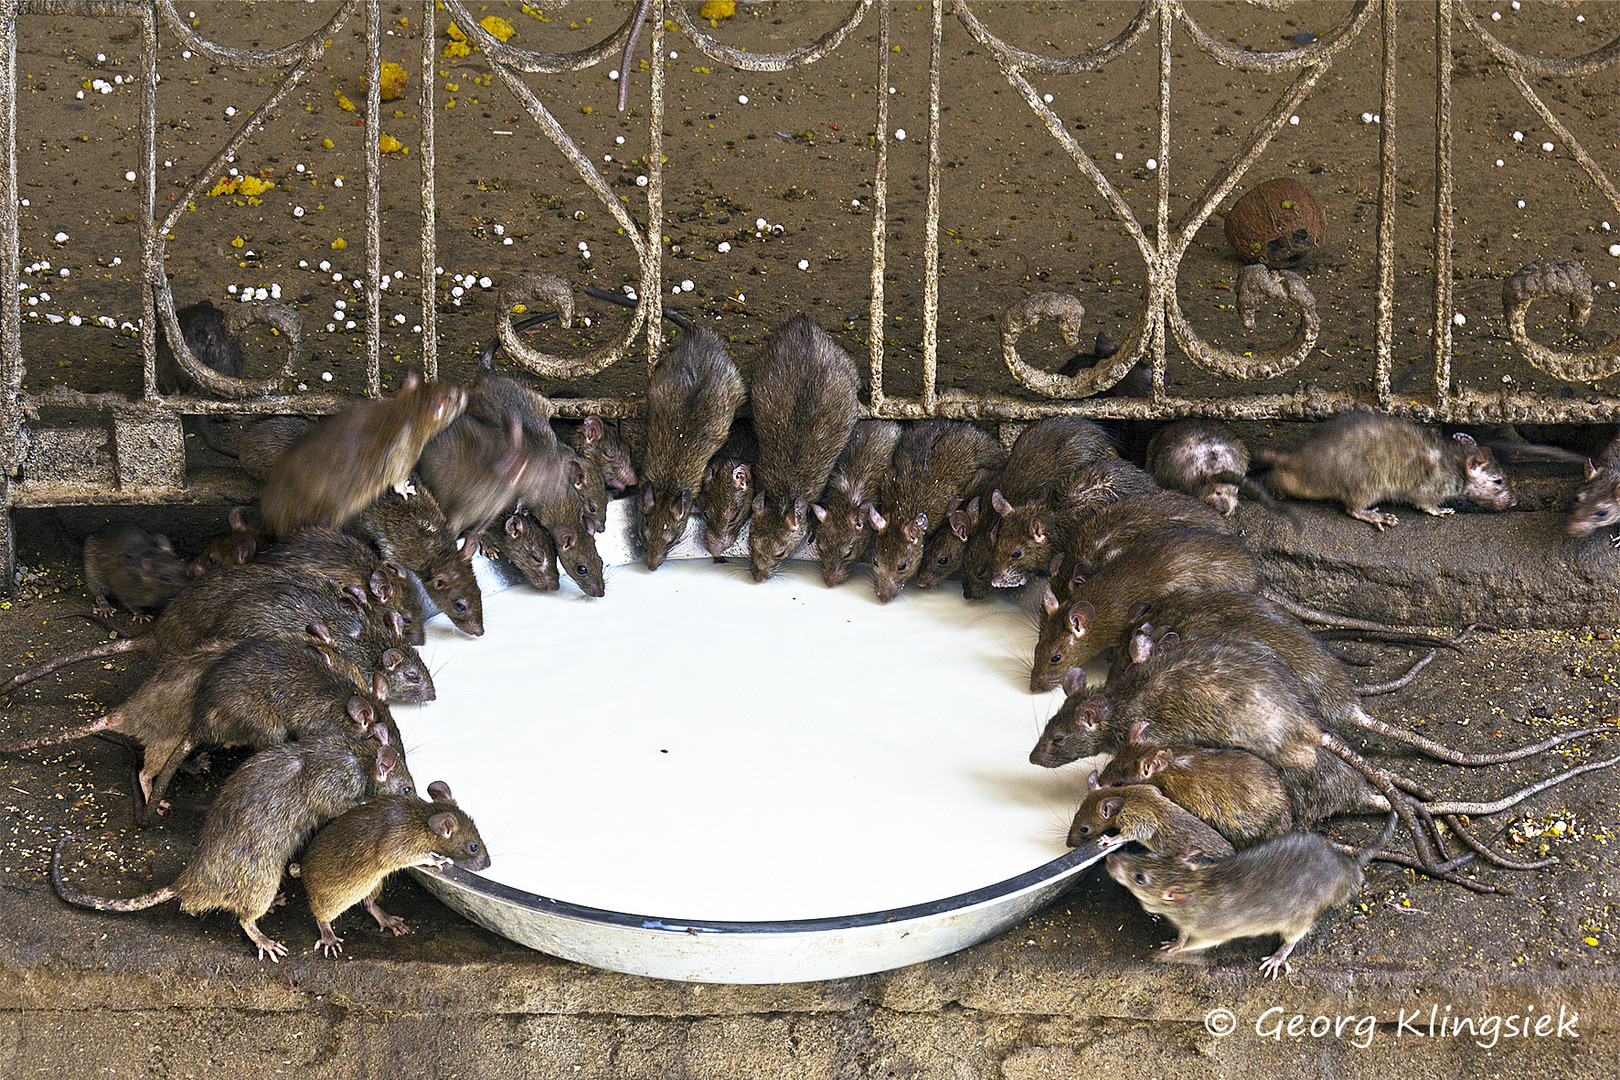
(1278, 222)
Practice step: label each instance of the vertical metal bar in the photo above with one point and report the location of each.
(1443, 210)
(426, 161)
(1386, 213)
(930, 343)
(11, 365)
(151, 271)
(655, 189)
(1159, 281)
(373, 130)
(880, 213)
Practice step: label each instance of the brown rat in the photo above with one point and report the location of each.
(935, 463)
(1207, 460)
(692, 398)
(139, 568)
(350, 858)
(804, 391)
(1098, 610)
(1279, 887)
(261, 816)
(843, 512)
(1108, 532)
(1039, 469)
(727, 497)
(350, 565)
(414, 533)
(1597, 502)
(578, 558)
(600, 444)
(336, 468)
(202, 326)
(525, 543)
(476, 471)
(1027, 537)
(1237, 793)
(1109, 817)
(1363, 458)
(238, 548)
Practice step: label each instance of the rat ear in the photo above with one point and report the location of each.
(1141, 646)
(1090, 714)
(443, 824)
(593, 429)
(387, 762)
(1080, 615)
(1074, 681)
(1111, 806)
(1091, 781)
(576, 475)
(1138, 732)
(360, 711)
(958, 522)
(357, 592)
(1169, 638)
(244, 548)
(683, 507)
(439, 791)
(378, 733)
(1157, 763)
(1138, 610)
(1040, 526)
(392, 658)
(1000, 503)
(379, 686)
(648, 499)
(759, 503)
(742, 476)
(469, 548)
(973, 511)
(319, 632)
(879, 522)
(514, 526)
(708, 472)
(396, 621)
(916, 528)
(566, 537)
(381, 587)
(1049, 601)
(1591, 470)
(1190, 856)
(820, 512)
(1174, 894)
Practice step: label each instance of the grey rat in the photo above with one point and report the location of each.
(241, 546)
(692, 398)
(804, 391)
(1279, 887)
(261, 816)
(1108, 532)
(139, 568)
(350, 565)
(1207, 460)
(476, 471)
(1363, 458)
(350, 858)
(935, 463)
(601, 445)
(844, 510)
(1597, 501)
(336, 468)
(1039, 468)
(202, 327)
(414, 533)
(727, 497)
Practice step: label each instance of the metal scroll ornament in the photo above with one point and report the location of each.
(1559, 277)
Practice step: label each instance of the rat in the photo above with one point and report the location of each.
(1108, 532)
(935, 462)
(1207, 460)
(352, 566)
(238, 548)
(263, 441)
(1234, 791)
(336, 468)
(601, 445)
(843, 512)
(1110, 817)
(558, 484)
(261, 816)
(692, 399)
(350, 858)
(202, 327)
(1597, 501)
(1026, 538)
(1097, 611)
(522, 541)
(414, 533)
(727, 497)
(578, 557)
(139, 568)
(804, 391)
(475, 471)
(1279, 887)
(1039, 469)
(1362, 458)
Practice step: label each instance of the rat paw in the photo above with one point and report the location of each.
(272, 950)
(139, 618)
(1271, 965)
(1376, 518)
(396, 924)
(1437, 511)
(331, 945)
(103, 609)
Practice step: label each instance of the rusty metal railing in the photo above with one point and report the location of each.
(142, 458)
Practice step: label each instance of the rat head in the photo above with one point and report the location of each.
(451, 586)
(1597, 503)
(437, 403)
(1486, 483)
(724, 502)
(1137, 762)
(1095, 825)
(1221, 492)
(588, 491)
(387, 773)
(1076, 729)
(526, 544)
(942, 554)
(664, 512)
(455, 837)
(1064, 641)
(843, 533)
(1159, 882)
(1023, 541)
(578, 557)
(977, 558)
(407, 675)
(600, 443)
(897, 552)
(774, 533)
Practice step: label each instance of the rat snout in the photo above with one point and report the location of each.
(1009, 578)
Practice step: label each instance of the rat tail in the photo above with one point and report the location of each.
(1371, 851)
(1345, 622)
(100, 724)
(101, 903)
(1441, 809)
(1262, 495)
(106, 648)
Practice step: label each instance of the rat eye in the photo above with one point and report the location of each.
(1141, 878)
(461, 607)
(904, 564)
(407, 789)
(472, 848)
(411, 675)
(582, 570)
(1018, 553)
(1083, 830)
(1057, 658)
(942, 560)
